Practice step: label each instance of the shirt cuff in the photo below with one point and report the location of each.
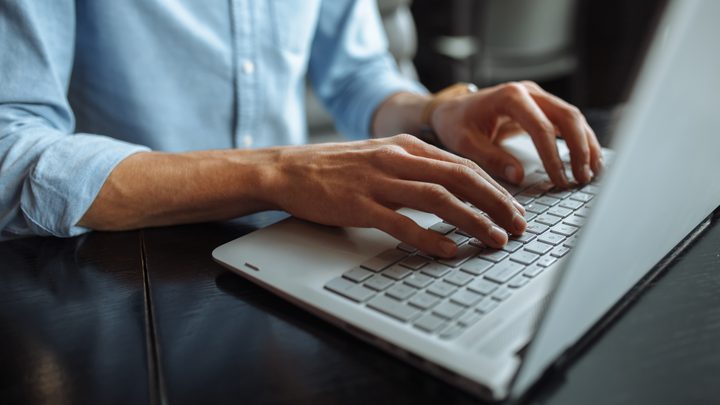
(66, 179)
(375, 87)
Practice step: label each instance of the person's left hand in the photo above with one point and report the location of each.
(472, 125)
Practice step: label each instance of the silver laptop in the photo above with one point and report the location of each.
(492, 321)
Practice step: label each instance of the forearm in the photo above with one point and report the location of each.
(399, 113)
(155, 189)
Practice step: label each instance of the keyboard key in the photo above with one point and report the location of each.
(442, 228)
(476, 242)
(547, 200)
(565, 230)
(590, 189)
(547, 219)
(524, 200)
(414, 262)
(464, 253)
(406, 247)
(448, 310)
(536, 190)
(451, 332)
(533, 270)
(546, 261)
(538, 247)
(486, 305)
(559, 194)
(418, 280)
(429, 323)
(466, 298)
(518, 281)
(458, 238)
(574, 220)
(512, 246)
(396, 309)
(464, 233)
(571, 204)
(503, 271)
(571, 241)
(559, 251)
(349, 289)
(551, 238)
(357, 274)
(441, 289)
(378, 282)
(529, 216)
(424, 300)
(476, 266)
(435, 270)
(492, 255)
(583, 212)
(397, 272)
(559, 211)
(469, 318)
(536, 228)
(580, 196)
(400, 291)
(524, 238)
(458, 278)
(384, 260)
(523, 257)
(501, 294)
(536, 208)
(482, 286)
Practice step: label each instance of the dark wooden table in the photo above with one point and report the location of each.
(148, 317)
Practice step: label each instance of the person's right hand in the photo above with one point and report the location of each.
(361, 184)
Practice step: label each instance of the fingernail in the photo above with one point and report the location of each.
(498, 235)
(586, 172)
(448, 248)
(511, 173)
(519, 223)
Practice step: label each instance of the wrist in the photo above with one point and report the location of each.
(456, 90)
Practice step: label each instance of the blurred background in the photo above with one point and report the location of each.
(585, 51)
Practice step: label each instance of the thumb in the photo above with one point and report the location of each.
(495, 160)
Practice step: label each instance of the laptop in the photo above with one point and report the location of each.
(494, 321)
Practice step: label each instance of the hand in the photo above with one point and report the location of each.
(473, 126)
(361, 184)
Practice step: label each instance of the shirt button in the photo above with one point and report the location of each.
(248, 67)
(247, 140)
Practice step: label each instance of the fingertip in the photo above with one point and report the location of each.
(446, 248)
(513, 174)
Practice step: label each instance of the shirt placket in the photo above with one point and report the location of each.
(246, 72)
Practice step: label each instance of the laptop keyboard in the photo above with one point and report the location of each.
(444, 297)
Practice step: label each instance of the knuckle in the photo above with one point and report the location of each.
(388, 152)
(573, 113)
(404, 139)
(531, 84)
(463, 173)
(436, 193)
(513, 89)
(470, 164)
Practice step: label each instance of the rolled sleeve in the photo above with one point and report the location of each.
(64, 180)
(351, 68)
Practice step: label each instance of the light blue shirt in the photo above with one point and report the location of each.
(84, 84)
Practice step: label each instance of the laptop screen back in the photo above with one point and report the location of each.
(662, 184)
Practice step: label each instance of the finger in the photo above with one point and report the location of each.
(523, 109)
(437, 200)
(596, 161)
(571, 123)
(467, 184)
(406, 230)
(420, 148)
(495, 159)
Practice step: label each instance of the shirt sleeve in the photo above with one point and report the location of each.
(49, 176)
(350, 67)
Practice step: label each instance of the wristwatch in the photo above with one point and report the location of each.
(427, 133)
